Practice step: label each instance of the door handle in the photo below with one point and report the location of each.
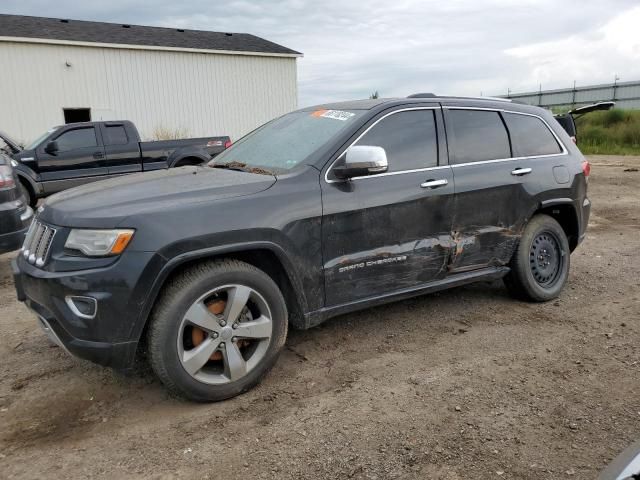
(521, 171)
(435, 183)
(98, 155)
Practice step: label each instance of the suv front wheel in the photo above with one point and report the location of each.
(540, 264)
(217, 330)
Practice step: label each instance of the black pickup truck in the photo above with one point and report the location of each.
(78, 153)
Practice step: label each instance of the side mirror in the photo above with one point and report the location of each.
(362, 160)
(52, 148)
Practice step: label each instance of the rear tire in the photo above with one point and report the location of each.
(540, 264)
(235, 347)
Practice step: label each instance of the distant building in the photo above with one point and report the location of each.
(625, 94)
(198, 83)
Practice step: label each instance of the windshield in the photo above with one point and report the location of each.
(39, 140)
(287, 141)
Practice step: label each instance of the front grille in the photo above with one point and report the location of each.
(37, 243)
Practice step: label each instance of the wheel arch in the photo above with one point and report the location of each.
(564, 211)
(266, 256)
(189, 159)
(29, 184)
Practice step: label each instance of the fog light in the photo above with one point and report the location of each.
(83, 307)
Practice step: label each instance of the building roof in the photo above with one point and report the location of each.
(55, 30)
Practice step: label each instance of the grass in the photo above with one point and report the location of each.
(163, 133)
(612, 132)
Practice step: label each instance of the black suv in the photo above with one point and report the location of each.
(322, 211)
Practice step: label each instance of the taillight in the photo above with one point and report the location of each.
(586, 168)
(6, 178)
(227, 144)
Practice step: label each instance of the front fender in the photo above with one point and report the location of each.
(161, 269)
(29, 176)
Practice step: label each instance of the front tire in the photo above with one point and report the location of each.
(217, 329)
(540, 264)
(28, 197)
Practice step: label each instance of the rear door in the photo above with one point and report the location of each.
(388, 232)
(80, 155)
(122, 152)
(495, 188)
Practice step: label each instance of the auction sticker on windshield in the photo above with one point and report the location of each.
(335, 114)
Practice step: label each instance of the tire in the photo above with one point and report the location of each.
(540, 263)
(26, 192)
(172, 339)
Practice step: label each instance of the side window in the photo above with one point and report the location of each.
(478, 135)
(530, 137)
(409, 138)
(79, 138)
(115, 135)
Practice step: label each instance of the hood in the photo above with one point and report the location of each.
(26, 157)
(104, 204)
(11, 143)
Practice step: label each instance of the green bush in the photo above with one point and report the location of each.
(613, 132)
(613, 116)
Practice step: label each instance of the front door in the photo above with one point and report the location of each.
(80, 155)
(391, 231)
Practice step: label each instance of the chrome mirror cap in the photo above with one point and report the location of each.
(372, 159)
(362, 160)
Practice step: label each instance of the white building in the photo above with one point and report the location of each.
(195, 83)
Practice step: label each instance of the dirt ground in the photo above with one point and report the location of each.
(465, 384)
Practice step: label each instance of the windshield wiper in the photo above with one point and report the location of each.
(241, 167)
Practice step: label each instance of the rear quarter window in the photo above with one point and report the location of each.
(477, 135)
(115, 135)
(530, 136)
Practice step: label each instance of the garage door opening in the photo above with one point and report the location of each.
(75, 115)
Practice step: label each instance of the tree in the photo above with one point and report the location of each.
(374, 95)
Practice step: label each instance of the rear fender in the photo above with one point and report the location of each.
(187, 152)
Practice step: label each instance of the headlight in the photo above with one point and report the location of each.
(99, 243)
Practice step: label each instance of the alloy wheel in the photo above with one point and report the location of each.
(224, 334)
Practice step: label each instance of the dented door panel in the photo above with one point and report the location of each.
(490, 210)
(384, 233)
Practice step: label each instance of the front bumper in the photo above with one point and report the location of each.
(109, 338)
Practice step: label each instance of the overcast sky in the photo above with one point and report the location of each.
(398, 47)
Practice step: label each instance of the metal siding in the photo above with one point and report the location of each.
(204, 94)
(627, 95)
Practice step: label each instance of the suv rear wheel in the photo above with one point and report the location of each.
(217, 330)
(540, 264)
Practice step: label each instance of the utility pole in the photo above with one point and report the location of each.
(573, 98)
(615, 85)
(540, 96)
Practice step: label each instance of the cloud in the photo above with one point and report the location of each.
(352, 48)
(593, 56)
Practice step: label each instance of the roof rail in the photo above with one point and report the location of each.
(422, 95)
(433, 95)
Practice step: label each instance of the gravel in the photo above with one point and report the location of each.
(467, 383)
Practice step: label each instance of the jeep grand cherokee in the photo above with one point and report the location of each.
(320, 212)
